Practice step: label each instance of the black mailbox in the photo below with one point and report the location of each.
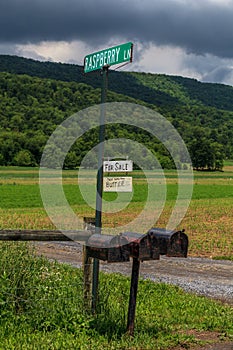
(142, 246)
(171, 243)
(107, 247)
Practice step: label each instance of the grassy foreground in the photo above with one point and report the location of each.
(41, 307)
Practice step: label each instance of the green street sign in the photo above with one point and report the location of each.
(108, 57)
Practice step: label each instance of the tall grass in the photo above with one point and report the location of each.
(41, 307)
(36, 289)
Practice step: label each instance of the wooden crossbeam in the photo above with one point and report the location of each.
(44, 235)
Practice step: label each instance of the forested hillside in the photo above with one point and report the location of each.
(30, 110)
(158, 89)
(37, 96)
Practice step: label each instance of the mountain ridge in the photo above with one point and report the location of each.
(157, 89)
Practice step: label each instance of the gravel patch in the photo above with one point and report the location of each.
(207, 277)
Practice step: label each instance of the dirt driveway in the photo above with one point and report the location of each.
(212, 278)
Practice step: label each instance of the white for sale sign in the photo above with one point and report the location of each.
(117, 166)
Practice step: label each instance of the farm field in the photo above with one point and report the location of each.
(41, 302)
(208, 221)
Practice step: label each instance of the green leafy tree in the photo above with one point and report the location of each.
(71, 161)
(206, 154)
(24, 158)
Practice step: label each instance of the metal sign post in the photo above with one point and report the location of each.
(102, 60)
(99, 192)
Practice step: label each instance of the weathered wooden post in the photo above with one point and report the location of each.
(133, 296)
(89, 224)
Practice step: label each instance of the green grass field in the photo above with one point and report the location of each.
(208, 221)
(28, 196)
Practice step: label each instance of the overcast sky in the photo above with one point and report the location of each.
(193, 38)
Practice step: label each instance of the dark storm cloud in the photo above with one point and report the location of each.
(197, 26)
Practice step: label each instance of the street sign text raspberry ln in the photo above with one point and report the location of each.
(108, 57)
